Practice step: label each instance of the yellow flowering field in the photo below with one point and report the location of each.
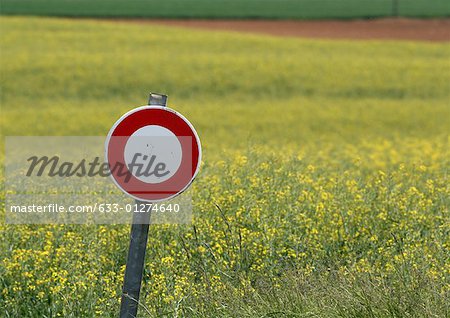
(323, 190)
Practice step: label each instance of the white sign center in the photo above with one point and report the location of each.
(153, 154)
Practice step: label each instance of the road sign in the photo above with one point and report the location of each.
(153, 152)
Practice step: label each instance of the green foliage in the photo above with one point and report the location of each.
(323, 190)
(272, 9)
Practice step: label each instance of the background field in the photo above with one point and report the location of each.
(278, 9)
(323, 192)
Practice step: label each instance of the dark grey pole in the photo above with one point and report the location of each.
(135, 261)
(138, 245)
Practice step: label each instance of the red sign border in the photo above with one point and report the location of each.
(145, 195)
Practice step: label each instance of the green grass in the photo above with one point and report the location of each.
(271, 9)
(323, 192)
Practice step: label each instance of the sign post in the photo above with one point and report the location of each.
(158, 153)
(135, 263)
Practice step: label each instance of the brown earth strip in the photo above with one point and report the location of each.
(392, 29)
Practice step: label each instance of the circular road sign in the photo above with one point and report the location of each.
(153, 153)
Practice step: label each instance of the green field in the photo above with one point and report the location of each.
(323, 192)
(271, 9)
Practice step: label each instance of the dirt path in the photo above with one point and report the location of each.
(394, 29)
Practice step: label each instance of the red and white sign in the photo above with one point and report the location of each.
(153, 153)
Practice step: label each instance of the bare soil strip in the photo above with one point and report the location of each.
(436, 30)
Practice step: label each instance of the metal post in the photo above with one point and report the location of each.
(135, 261)
(157, 99)
(138, 245)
